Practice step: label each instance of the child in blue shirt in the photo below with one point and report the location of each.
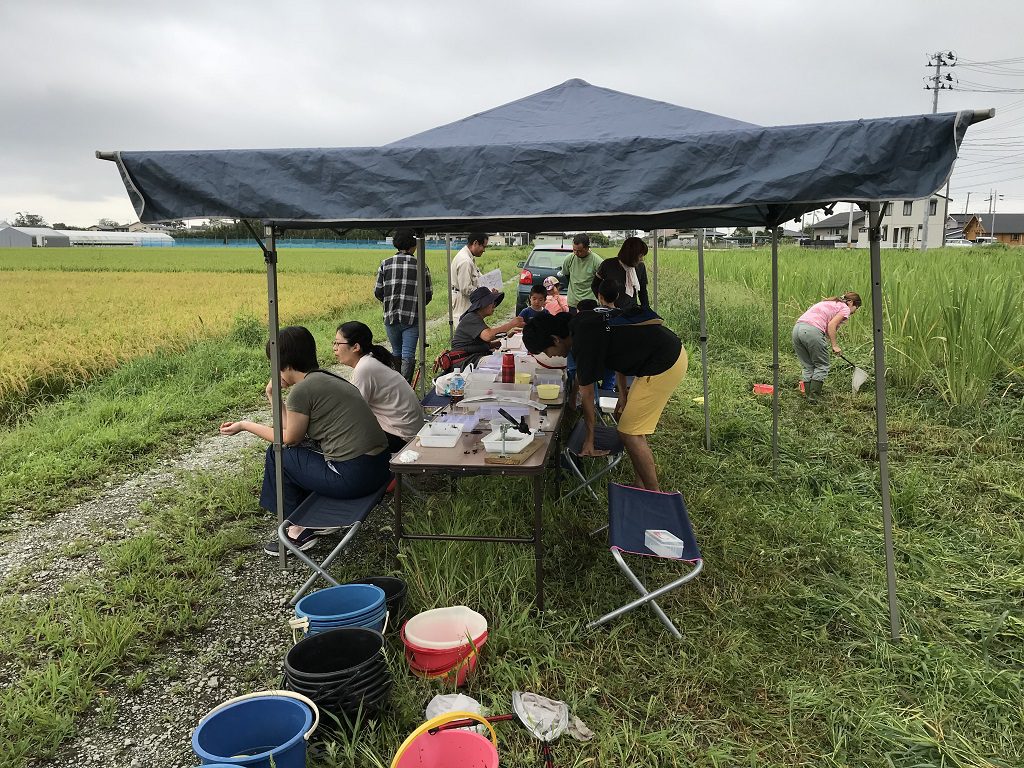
(538, 295)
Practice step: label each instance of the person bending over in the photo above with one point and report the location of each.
(473, 335)
(814, 331)
(352, 460)
(650, 352)
(389, 395)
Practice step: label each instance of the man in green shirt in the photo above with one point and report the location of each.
(579, 269)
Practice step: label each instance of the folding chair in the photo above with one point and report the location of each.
(605, 439)
(318, 511)
(632, 512)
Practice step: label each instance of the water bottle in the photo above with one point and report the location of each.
(457, 386)
(508, 368)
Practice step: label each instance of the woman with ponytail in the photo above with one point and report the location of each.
(389, 395)
(814, 332)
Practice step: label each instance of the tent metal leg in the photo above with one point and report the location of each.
(703, 339)
(775, 351)
(448, 261)
(882, 437)
(421, 303)
(654, 273)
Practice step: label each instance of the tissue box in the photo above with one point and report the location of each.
(663, 543)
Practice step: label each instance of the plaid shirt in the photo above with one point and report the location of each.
(396, 287)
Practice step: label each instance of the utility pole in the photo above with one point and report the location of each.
(937, 83)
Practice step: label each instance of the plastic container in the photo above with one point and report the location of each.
(513, 442)
(444, 629)
(257, 731)
(548, 391)
(524, 377)
(341, 603)
(430, 747)
(663, 543)
(490, 412)
(763, 389)
(439, 435)
(547, 378)
(607, 404)
(508, 368)
(467, 421)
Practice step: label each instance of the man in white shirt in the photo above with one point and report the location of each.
(466, 274)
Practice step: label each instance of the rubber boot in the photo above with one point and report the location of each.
(813, 390)
(408, 368)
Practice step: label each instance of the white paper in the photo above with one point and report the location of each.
(491, 279)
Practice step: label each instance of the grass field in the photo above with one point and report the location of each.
(785, 659)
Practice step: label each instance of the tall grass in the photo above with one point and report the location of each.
(954, 324)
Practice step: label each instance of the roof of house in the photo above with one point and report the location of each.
(1005, 223)
(839, 219)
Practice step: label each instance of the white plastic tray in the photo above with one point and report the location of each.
(439, 435)
(514, 441)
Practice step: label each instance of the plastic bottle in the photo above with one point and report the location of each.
(457, 386)
(508, 368)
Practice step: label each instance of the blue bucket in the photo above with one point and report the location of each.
(347, 601)
(374, 621)
(253, 730)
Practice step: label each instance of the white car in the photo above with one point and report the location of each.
(959, 242)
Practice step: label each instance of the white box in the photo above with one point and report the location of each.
(439, 435)
(663, 544)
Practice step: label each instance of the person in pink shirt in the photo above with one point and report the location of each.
(814, 332)
(555, 301)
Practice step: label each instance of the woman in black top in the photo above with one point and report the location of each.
(646, 350)
(628, 270)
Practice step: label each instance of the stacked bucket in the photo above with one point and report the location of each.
(348, 605)
(342, 670)
(444, 643)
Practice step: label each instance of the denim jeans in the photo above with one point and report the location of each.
(306, 471)
(403, 339)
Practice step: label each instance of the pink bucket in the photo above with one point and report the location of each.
(428, 747)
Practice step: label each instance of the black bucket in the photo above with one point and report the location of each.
(334, 655)
(395, 591)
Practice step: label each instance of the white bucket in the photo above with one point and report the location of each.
(445, 628)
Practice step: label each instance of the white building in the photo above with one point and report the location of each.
(45, 237)
(902, 224)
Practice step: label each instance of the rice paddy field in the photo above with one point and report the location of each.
(786, 658)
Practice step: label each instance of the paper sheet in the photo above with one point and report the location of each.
(491, 279)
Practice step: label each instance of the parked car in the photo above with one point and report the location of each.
(544, 260)
(959, 242)
(982, 240)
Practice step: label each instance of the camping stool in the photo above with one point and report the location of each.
(318, 511)
(632, 512)
(605, 439)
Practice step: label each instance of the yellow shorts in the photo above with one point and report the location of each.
(648, 397)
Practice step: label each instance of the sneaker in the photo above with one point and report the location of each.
(306, 540)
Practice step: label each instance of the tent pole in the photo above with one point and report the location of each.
(421, 303)
(775, 351)
(703, 339)
(882, 432)
(270, 256)
(654, 276)
(448, 257)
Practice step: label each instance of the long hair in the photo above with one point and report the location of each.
(631, 251)
(359, 333)
(848, 296)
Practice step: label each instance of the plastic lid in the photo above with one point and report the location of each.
(458, 370)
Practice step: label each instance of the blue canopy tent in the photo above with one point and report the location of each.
(573, 157)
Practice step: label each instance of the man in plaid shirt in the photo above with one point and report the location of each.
(396, 288)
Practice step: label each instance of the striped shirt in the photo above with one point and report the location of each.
(396, 288)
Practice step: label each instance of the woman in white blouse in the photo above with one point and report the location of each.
(389, 395)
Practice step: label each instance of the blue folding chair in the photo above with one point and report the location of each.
(318, 511)
(632, 512)
(605, 439)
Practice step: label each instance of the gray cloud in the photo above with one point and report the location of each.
(131, 75)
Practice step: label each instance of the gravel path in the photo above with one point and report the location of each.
(238, 653)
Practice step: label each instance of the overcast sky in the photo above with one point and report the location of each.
(106, 74)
